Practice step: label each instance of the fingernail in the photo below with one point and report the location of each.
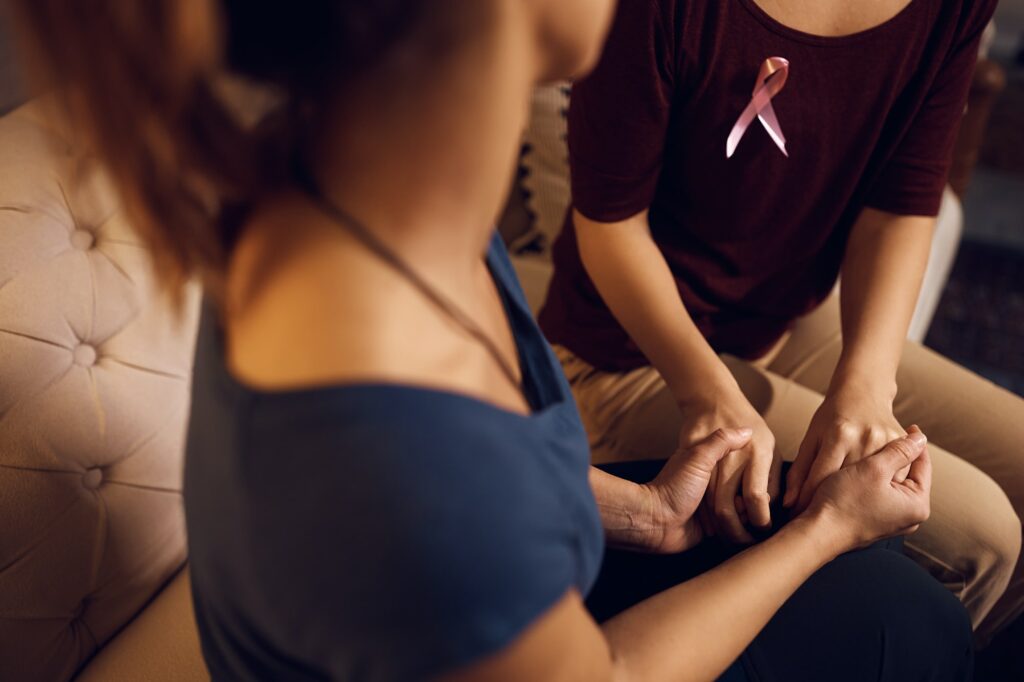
(788, 499)
(917, 438)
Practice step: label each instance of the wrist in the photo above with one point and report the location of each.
(850, 377)
(823, 530)
(707, 385)
(630, 522)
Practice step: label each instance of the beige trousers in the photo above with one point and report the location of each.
(972, 541)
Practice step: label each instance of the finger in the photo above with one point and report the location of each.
(903, 473)
(900, 453)
(798, 472)
(829, 460)
(726, 516)
(775, 477)
(878, 440)
(707, 506)
(706, 454)
(755, 490)
(921, 470)
(707, 520)
(741, 512)
(693, 533)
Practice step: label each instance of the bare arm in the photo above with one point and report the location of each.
(882, 271)
(690, 632)
(695, 630)
(634, 279)
(733, 601)
(885, 261)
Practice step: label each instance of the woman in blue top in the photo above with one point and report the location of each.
(387, 478)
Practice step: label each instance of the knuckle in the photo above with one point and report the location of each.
(719, 436)
(847, 431)
(875, 435)
(758, 496)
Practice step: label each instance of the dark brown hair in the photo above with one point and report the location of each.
(141, 80)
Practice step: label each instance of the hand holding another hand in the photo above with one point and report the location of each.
(869, 500)
(747, 479)
(677, 491)
(850, 424)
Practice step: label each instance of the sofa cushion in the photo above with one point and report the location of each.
(94, 382)
(160, 645)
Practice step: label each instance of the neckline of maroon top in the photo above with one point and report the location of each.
(778, 27)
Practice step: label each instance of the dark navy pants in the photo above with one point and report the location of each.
(872, 614)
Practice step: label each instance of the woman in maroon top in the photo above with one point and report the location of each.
(689, 286)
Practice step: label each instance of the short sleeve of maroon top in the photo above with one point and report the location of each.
(756, 240)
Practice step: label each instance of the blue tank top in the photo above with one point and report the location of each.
(381, 531)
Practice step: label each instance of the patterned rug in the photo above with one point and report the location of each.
(980, 319)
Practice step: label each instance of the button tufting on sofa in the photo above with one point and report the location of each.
(92, 479)
(84, 354)
(82, 239)
(91, 522)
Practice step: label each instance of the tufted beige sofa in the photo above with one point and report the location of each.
(94, 381)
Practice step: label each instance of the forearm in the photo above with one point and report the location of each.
(696, 629)
(627, 511)
(882, 271)
(634, 280)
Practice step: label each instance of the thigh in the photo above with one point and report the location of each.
(608, 399)
(972, 524)
(633, 416)
(959, 411)
(844, 623)
(651, 428)
(976, 434)
(964, 414)
(868, 615)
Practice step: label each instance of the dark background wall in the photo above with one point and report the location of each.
(10, 90)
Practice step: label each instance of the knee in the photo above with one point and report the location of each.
(919, 623)
(992, 534)
(939, 619)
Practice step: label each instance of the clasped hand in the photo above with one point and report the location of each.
(729, 477)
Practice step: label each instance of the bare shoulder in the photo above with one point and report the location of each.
(307, 306)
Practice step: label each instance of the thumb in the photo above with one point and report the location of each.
(707, 452)
(901, 452)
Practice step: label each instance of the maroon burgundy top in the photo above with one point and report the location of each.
(756, 240)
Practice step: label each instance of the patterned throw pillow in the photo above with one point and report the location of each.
(540, 193)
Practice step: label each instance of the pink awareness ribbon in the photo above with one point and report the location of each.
(770, 81)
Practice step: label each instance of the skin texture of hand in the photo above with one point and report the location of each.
(746, 480)
(678, 489)
(850, 425)
(869, 500)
